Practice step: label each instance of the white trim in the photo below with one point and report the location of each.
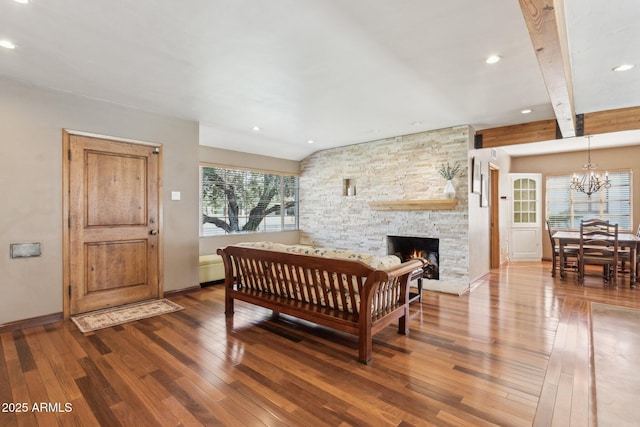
(111, 138)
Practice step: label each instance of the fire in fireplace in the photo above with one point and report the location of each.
(407, 247)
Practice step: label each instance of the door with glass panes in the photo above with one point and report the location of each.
(525, 228)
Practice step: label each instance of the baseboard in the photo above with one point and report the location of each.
(29, 323)
(170, 294)
(213, 282)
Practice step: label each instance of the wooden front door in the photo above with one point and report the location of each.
(112, 243)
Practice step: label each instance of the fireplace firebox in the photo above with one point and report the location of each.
(407, 247)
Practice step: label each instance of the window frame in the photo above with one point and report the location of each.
(280, 197)
(601, 198)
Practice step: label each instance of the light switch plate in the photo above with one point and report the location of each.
(175, 195)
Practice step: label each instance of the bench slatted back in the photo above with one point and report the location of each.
(328, 282)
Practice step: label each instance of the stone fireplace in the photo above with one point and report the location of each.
(407, 247)
(400, 168)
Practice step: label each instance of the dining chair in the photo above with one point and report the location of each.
(627, 258)
(570, 253)
(599, 246)
(624, 258)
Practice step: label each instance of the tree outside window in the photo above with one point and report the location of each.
(245, 201)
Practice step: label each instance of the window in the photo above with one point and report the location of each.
(566, 207)
(525, 201)
(246, 201)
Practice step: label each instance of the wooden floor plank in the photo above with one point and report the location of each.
(134, 392)
(515, 351)
(97, 404)
(185, 417)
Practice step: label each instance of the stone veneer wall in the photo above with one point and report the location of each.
(403, 167)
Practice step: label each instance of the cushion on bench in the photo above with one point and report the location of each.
(373, 261)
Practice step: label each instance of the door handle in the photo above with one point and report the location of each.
(153, 232)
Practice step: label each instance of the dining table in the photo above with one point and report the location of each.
(626, 241)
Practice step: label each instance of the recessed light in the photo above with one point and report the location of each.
(21, 1)
(416, 123)
(7, 44)
(623, 67)
(526, 111)
(256, 128)
(311, 141)
(493, 59)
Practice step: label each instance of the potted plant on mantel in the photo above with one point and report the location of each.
(448, 172)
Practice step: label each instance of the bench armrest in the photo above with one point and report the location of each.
(384, 289)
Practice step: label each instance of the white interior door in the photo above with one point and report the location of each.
(525, 228)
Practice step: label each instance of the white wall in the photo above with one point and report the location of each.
(31, 124)
(479, 217)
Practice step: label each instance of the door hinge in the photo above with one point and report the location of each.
(69, 291)
(69, 154)
(69, 222)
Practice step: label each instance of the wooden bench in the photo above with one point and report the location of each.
(342, 294)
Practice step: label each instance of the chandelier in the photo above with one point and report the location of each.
(590, 181)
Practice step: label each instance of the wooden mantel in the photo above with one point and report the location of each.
(414, 205)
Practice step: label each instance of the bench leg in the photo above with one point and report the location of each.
(228, 306)
(365, 342)
(403, 322)
(364, 351)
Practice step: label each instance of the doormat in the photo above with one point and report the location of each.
(113, 316)
(616, 345)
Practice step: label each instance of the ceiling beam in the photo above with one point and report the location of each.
(612, 120)
(544, 130)
(547, 30)
(594, 123)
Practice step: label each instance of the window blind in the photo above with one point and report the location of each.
(246, 201)
(565, 208)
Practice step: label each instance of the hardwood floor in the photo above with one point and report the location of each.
(513, 352)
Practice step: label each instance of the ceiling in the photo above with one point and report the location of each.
(333, 71)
